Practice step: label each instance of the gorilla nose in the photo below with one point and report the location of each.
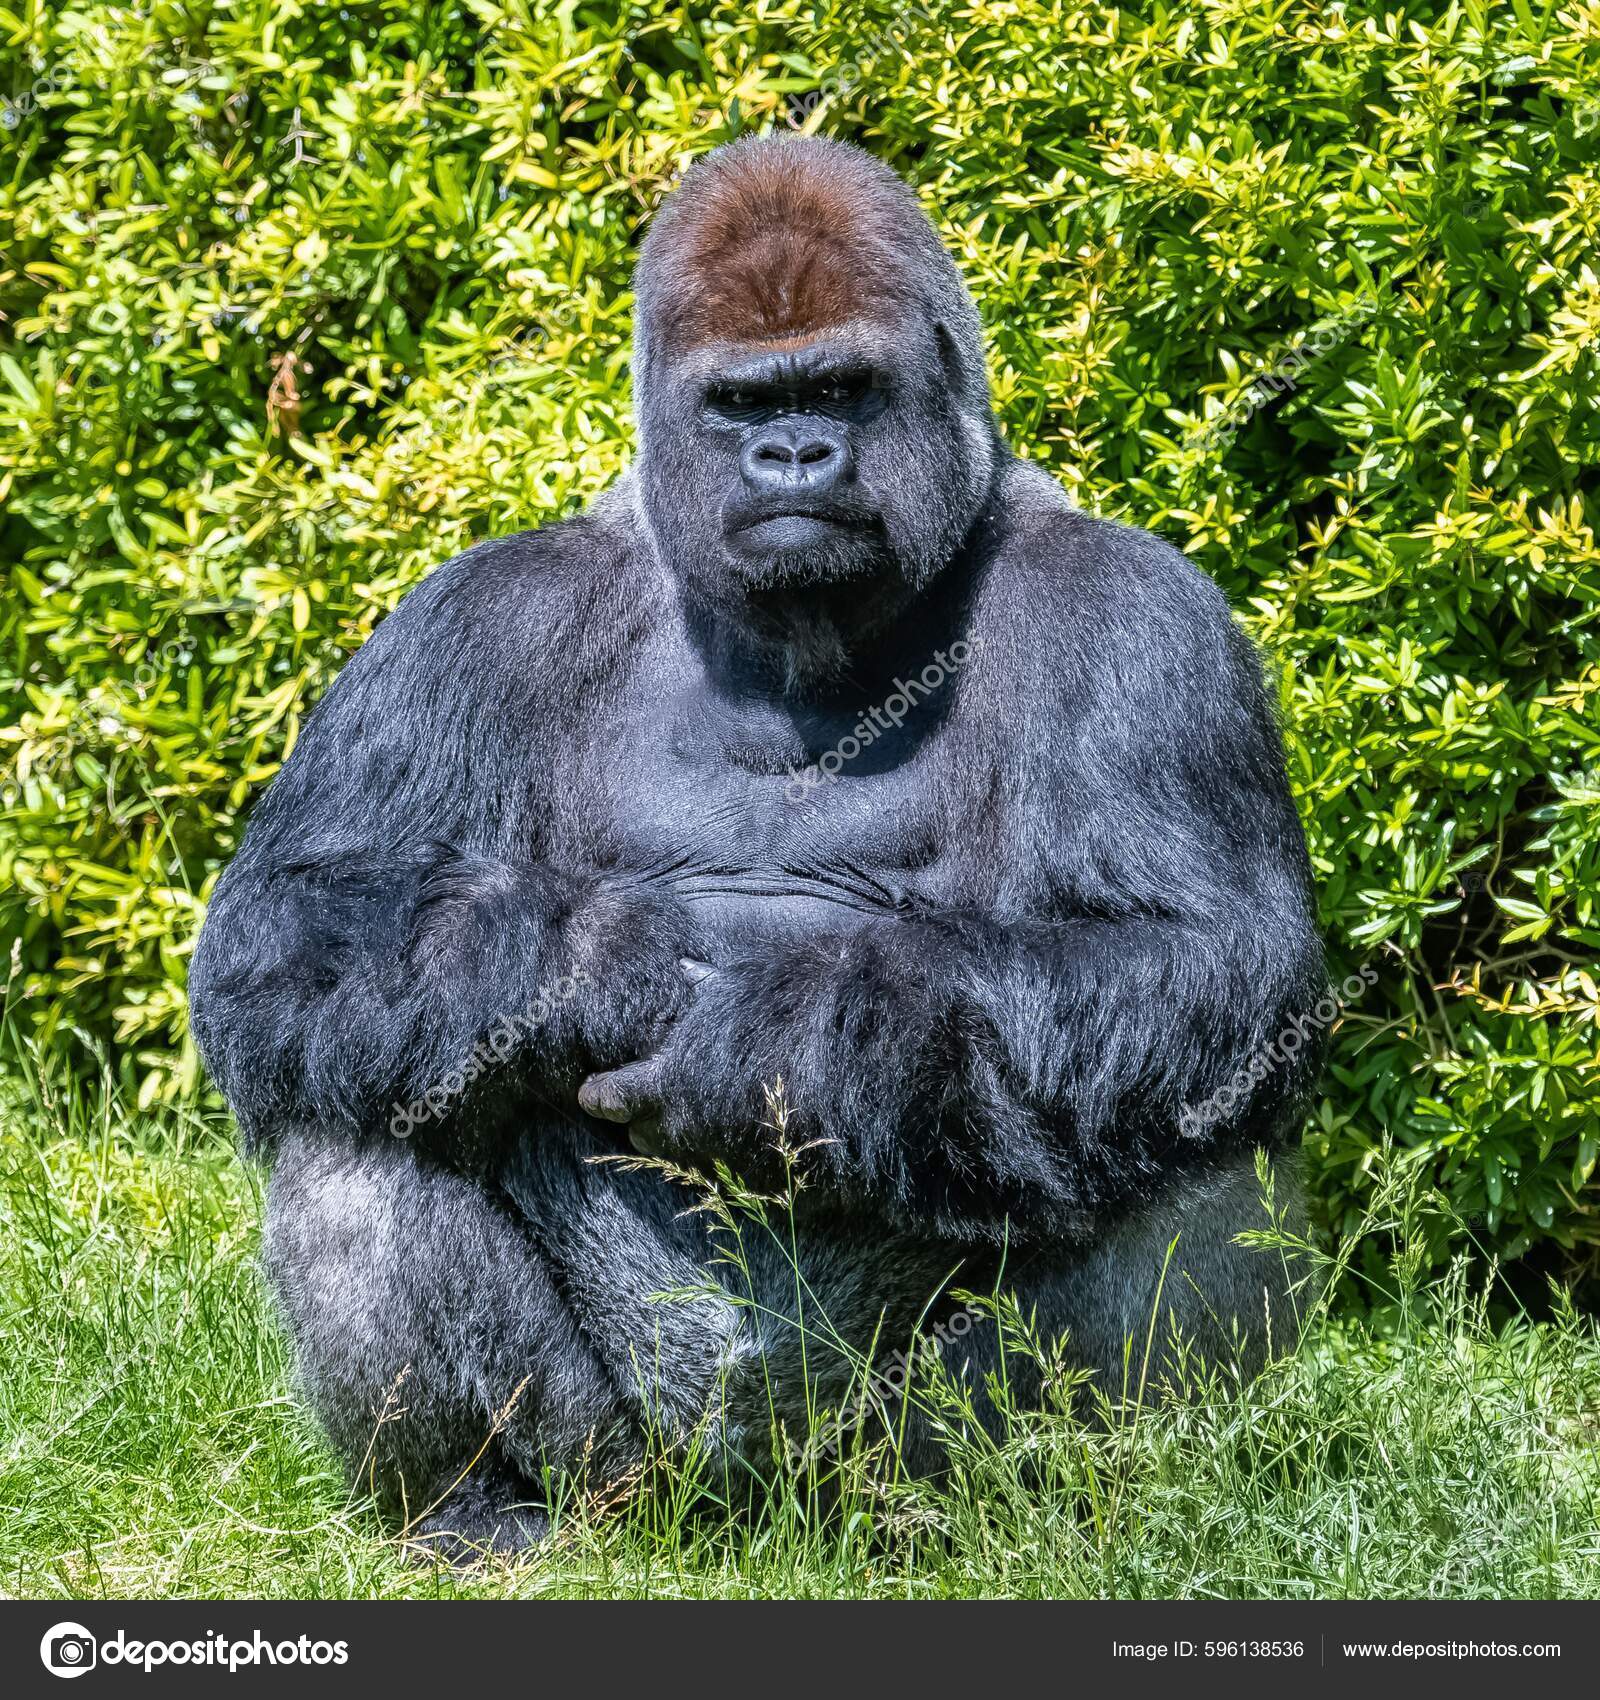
(790, 458)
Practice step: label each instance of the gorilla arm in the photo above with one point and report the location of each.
(383, 920)
(977, 1073)
(963, 1073)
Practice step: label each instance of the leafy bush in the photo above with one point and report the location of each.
(298, 299)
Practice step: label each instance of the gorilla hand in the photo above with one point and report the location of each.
(895, 1083)
(632, 1095)
(632, 945)
(834, 1020)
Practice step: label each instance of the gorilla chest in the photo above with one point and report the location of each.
(772, 825)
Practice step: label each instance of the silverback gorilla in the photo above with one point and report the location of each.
(832, 746)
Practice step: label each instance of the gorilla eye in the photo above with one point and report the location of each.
(734, 400)
(841, 390)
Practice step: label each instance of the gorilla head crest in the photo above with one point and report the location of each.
(816, 440)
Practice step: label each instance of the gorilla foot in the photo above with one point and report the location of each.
(480, 1519)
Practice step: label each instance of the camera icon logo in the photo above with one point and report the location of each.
(68, 1650)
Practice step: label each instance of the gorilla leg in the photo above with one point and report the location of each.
(1211, 1302)
(421, 1309)
(629, 1257)
(1231, 1305)
(722, 1333)
(458, 1339)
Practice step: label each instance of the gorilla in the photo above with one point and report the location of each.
(831, 756)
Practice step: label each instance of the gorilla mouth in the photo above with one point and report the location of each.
(795, 527)
(786, 533)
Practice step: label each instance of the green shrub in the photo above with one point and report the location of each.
(297, 299)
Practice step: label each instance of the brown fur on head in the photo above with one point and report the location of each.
(771, 240)
(779, 247)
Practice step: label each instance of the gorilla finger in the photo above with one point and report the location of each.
(695, 971)
(621, 1095)
(600, 1096)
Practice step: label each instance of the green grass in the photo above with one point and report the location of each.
(151, 1443)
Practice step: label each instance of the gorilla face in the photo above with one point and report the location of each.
(816, 440)
(833, 459)
(790, 439)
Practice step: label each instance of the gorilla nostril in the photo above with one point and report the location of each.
(786, 459)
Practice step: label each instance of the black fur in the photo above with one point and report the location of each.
(994, 953)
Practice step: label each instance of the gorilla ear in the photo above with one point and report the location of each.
(955, 375)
